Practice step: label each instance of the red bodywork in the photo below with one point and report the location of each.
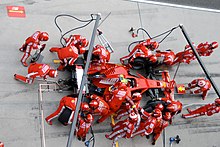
(137, 83)
(107, 68)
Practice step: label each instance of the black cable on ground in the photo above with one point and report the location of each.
(142, 29)
(76, 28)
(169, 32)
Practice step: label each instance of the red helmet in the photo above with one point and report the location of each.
(171, 107)
(89, 118)
(43, 36)
(214, 45)
(94, 104)
(201, 83)
(85, 106)
(82, 50)
(157, 113)
(154, 45)
(84, 42)
(133, 117)
(217, 101)
(97, 49)
(159, 106)
(53, 73)
(174, 106)
(136, 96)
(167, 116)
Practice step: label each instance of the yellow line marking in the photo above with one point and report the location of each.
(56, 61)
(15, 11)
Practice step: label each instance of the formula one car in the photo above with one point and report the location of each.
(99, 83)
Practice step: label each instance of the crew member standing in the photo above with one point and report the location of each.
(83, 125)
(33, 42)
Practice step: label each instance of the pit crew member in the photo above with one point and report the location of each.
(37, 70)
(143, 49)
(208, 110)
(83, 125)
(33, 42)
(98, 106)
(199, 85)
(70, 103)
(67, 55)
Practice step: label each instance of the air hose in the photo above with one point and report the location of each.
(142, 29)
(73, 29)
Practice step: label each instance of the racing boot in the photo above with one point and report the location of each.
(23, 48)
(49, 122)
(183, 116)
(25, 64)
(83, 139)
(79, 138)
(107, 136)
(189, 110)
(20, 78)
(203, 97)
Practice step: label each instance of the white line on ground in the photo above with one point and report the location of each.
(176, 5)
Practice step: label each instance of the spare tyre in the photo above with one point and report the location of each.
(64, 116)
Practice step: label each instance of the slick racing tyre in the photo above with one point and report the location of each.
(139, 63)
(64, 116)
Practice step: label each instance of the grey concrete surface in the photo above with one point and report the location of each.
(20, 119)
(214, 4)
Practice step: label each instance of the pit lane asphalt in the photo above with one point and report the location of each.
(214, 4)
(20, 125)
